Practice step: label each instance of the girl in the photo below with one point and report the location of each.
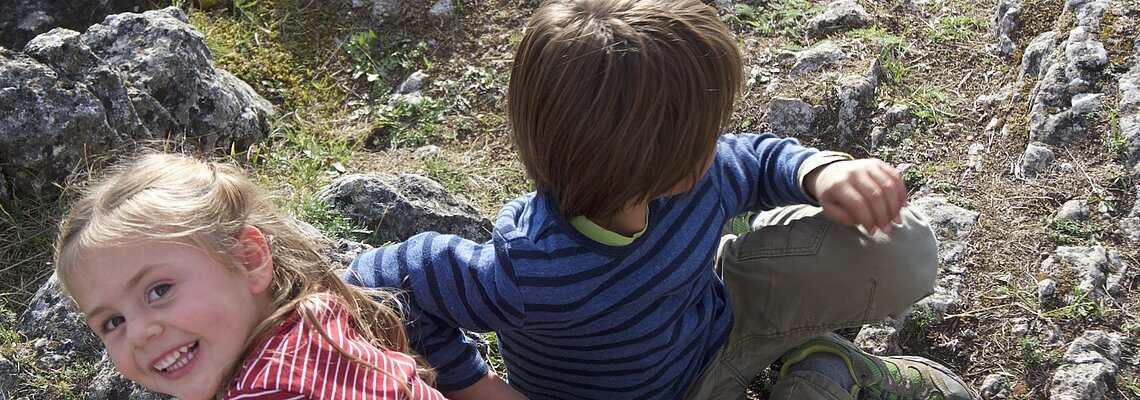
(200, 288)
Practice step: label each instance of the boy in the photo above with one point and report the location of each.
(612, 281)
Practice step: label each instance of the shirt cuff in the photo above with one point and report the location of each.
(814, 162)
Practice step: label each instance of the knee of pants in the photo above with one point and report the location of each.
(907, 263)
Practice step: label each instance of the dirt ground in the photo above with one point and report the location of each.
(938, 58)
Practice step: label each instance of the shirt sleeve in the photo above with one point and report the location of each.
(449, 284)
(761, 171)
(815, 162)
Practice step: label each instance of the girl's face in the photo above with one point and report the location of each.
(171, 317)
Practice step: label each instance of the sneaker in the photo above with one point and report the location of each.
(740, 224)
(894, 377)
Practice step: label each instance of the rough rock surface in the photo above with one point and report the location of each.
(397, 207)
(20, 21)
(134, 78)
(1087, 367)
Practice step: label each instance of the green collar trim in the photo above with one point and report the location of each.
(602, 235)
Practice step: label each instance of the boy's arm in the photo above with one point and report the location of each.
(489, 387)
(761, 171)
(446, 283)
(866, 192)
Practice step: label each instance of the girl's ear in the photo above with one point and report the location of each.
(252, 253)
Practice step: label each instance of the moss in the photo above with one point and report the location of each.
(1116, 34)
(286, 51)
(1040, 16)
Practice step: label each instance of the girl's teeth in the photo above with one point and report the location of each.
(176, 359)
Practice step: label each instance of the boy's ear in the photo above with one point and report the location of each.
(253, 255)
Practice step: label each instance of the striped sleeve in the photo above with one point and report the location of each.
(761, 171)
(455, 283)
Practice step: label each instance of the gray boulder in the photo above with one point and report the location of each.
(51, 315)
(398, 207)
(210, 107)
(1128, 109)
(856, 104)
(1092, 266)
(134, 78)
(1035, 53)
(791, 117)
(1088, 367)
(380, 10)
(841, 15)
(20, 21)
(45, 121)
(1006, 21)
(9, 378)
(953, 226)
(110, 384)
(816, 58)
(1034, 161)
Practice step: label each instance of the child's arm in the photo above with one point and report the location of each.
(447, 283)
(490, 387)
(866, 192)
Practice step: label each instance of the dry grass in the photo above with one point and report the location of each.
(938, 55)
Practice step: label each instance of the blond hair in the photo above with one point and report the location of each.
(617, 101)
(172, 197)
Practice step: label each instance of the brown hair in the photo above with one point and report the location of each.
(172, 197)
(617, 101)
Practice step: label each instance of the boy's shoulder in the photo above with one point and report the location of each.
(527, 218)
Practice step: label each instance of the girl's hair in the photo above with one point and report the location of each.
(618, 101)
(172, 197)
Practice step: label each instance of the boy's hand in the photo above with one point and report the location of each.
(866, 192)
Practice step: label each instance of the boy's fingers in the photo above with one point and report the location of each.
(837, 214)
(894, 194)
(874, 201)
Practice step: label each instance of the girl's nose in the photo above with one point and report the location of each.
(144, 330)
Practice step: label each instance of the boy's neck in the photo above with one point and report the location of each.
(626, 222)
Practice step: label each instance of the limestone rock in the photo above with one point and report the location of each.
(397, 207)
(841, 15)
(1087, 368)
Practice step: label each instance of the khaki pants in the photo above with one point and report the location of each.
(797, 276)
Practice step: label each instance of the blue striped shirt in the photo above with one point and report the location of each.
(577, 319)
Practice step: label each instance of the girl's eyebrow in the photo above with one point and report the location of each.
(131, 284)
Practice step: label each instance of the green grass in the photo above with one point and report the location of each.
(892, 49)
(487, 187)
(1033, 355)
(27, 232)
(1080, 306)
(408, 124)
(778, 17)
(956, 27)
(929, 103)
(381, 61)
(1071, 233)
(37, 379)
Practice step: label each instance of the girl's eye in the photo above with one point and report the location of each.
(111, 323)
(157, 291)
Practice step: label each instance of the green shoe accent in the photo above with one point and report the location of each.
(741, 224)
(895, 377)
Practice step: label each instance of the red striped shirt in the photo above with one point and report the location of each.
(295, 362)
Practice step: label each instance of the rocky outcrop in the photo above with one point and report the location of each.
(20, 21)
(1087, 369)
(841, 15)
(396, 207)
(131, 79)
